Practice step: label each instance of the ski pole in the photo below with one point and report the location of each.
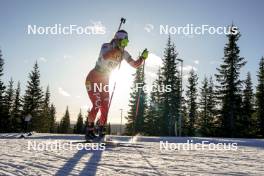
(122, 21)
(139, 93)
(138, 101)
(110, 101)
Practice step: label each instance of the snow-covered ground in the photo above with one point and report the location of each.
(143, 156)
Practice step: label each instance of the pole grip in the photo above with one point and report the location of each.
(122, 21)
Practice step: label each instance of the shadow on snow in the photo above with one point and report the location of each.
(89, 168)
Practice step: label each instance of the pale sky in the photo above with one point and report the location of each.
(65, 60)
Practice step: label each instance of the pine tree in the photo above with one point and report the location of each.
(65, 122)
(108, 129)
(229, 88)
(185, 117)
(246, 123)
(212, 107)
(135, 122)
(171, 99)
(79, 127)
(8, 105)
(16, 113)
(207, 106)
(204, 105)
(45, 117)
(153, 118)
(9, 97)
(260, 98)
(52, 119)
(33, 98)
(58, 127)
(191, 95)
(2, 90)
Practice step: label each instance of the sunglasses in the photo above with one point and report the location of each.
(124, 42)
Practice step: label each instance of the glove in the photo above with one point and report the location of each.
(144, 54)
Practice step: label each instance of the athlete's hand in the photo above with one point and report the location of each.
(144, 54)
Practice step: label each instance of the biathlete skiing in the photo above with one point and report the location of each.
(110, 57)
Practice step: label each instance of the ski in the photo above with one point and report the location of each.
(24, 135)
(109, 142)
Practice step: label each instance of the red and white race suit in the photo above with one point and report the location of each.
(109, 58)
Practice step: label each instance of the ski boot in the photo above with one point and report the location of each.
(89, 133)
(21, 136)
(101, 131)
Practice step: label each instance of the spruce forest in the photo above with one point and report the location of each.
(223, 106)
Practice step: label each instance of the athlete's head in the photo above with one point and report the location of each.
(121, 38)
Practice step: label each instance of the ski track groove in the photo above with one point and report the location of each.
(141, 158)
